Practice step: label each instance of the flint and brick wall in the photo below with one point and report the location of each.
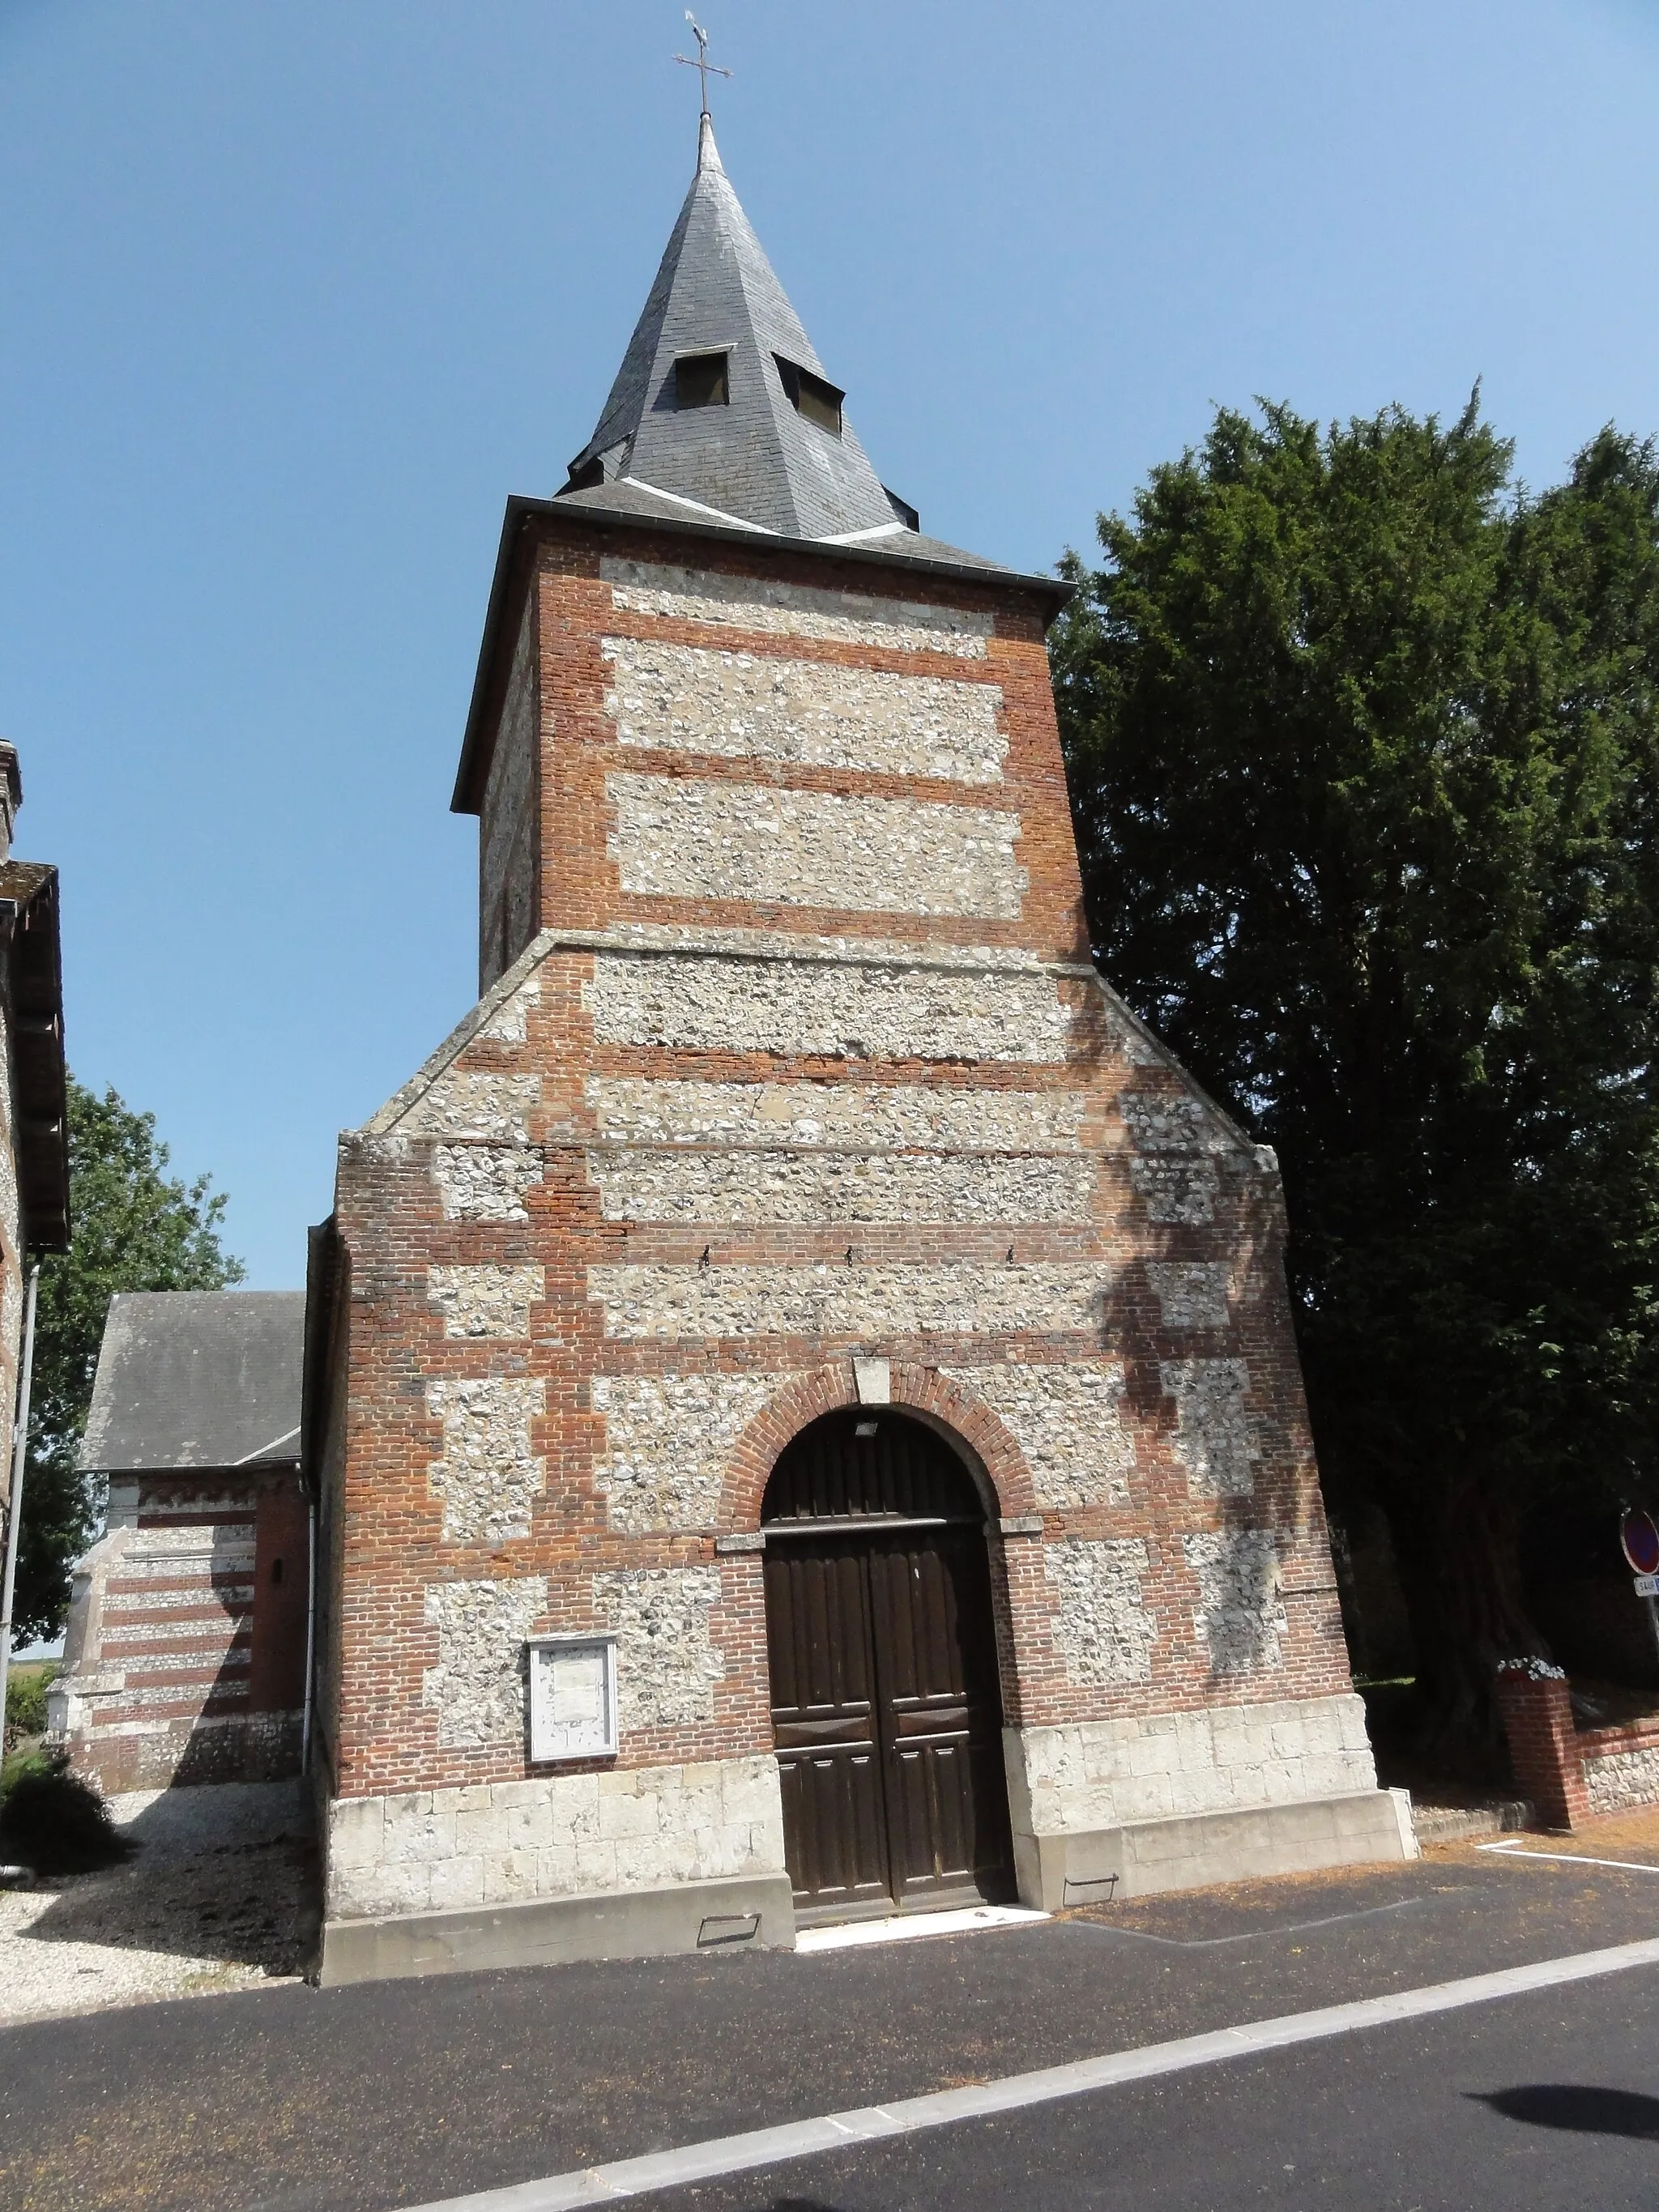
(184, 1655)
(806, 1061)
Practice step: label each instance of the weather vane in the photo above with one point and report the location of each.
(703, 66)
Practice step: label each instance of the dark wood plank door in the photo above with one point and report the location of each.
(824, 1724)
(939, 1716)
(885, 1702)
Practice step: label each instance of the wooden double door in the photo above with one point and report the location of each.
(886, 1710)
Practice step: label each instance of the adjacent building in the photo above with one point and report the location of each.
(34, 1216)
(801, 1382)
(184, 1657)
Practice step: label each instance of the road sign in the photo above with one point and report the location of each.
(1640, 1540)
(1647, 1586)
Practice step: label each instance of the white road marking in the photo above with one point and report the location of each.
(794, 2139)
(1566, 1858)
(848, 1935)
(1256, 1934)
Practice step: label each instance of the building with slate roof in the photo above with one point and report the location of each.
(34, 1210)
(185, 1659)
(800, 1384)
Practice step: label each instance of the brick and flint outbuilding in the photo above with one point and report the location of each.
(794, 1130)
(184, 1657)
(35, 1199)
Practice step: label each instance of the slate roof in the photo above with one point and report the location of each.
(197, 1379)
(754, 461)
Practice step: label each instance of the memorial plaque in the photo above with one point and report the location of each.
(573, 1698)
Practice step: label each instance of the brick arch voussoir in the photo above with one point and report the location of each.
(827, 1389)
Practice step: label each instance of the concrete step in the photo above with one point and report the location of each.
(1471, 1823)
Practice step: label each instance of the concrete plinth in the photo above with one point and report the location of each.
(746, 1913)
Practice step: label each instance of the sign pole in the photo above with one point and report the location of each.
(1638, 1539)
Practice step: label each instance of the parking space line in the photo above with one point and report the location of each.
(797, 2139)
(1566, 1858)
(1256, 1934)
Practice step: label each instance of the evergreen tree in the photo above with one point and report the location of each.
(1363, 742)
(133, 1228)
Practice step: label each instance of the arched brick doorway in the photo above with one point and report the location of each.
(886, 1710)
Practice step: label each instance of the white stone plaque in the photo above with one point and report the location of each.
(573, 1698)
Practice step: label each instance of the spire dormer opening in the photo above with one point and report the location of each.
(814, 397)
(702, 380)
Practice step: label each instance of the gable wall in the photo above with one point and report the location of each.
(627, 1234)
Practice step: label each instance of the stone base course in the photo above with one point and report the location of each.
(1358, 1828)
(1104, 1774)
(553, 1837)
(754, 1912)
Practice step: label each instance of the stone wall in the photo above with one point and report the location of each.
(1154, 1766)
(544, 1836)
(1069, 1419)
(488, 1477)
(845, 1116)
(767, 606)
(826, 1299)
(1101, 1623)
(800, 1009)
(1622, 1768)
(485, 1301)
(1215, 1438)
(738, 1185)
(1240, 1617)
(678, 698)
(669, 1442)
(686, 837)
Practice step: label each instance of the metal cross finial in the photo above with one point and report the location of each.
(703, 66)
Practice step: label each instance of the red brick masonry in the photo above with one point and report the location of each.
(1566, 1771)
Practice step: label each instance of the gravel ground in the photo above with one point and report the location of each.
(218, 1896)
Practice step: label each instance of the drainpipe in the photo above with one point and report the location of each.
(311, 1630)
(19, 1452)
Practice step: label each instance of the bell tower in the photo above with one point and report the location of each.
(794, 1130)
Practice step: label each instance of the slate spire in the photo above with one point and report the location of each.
(721, 400)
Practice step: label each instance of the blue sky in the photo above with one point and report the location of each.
(292, 296)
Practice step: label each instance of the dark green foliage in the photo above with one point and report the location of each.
(134, 1228)
(53, 1820)
(1362, 744)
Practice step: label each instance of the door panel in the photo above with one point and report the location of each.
(824, 1723)
(885, 1702)
(939, 1714)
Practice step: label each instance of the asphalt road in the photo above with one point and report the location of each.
(292, 2100)
(1541, 2104)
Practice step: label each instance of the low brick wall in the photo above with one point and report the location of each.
(1543, 1743)
(1621, 1766)
(1571, 1774)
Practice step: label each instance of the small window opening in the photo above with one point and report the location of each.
(701, 380)
(276, 1571)
(811, 396)
(864, 1428)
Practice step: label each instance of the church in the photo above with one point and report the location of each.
(800, 1387)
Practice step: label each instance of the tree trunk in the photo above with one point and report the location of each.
(1456, 1542)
